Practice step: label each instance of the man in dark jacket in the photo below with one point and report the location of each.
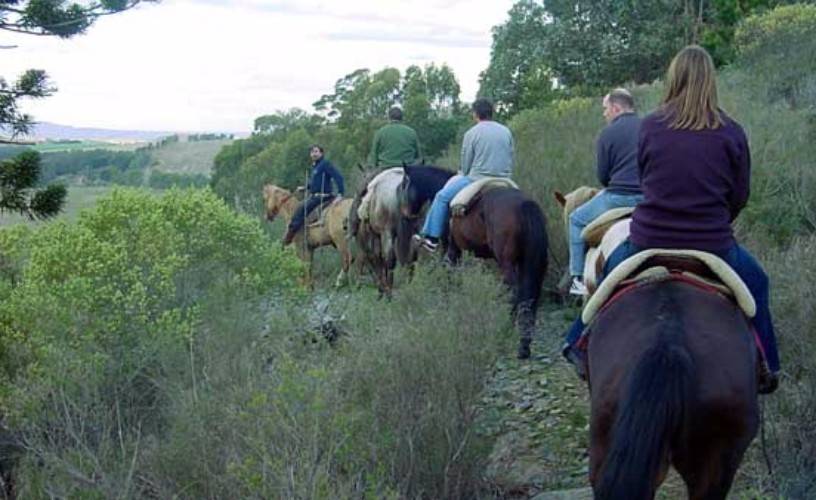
(617, 170)
(395, 143)
(319, 191)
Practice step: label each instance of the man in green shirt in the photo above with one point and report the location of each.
(395, 143)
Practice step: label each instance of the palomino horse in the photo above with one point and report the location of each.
(382, 234)
(501, 224)
(672, 380)
(331, 232)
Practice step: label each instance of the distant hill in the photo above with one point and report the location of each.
(46, 130)
(53, 131)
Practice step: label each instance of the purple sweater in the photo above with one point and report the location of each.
(694, 184)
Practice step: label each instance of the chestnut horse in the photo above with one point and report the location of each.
(673, 380)
(501, 224)
(332, 232)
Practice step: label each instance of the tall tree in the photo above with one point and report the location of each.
(518, 52)
(590, 46)
(59, 18)
(430, 101)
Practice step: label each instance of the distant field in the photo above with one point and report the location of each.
(79, 198)
(52, 147)
(187, 157)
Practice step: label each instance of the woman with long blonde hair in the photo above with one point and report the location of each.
(695, 168)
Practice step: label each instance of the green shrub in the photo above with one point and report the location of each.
(778, 47)
(167, 180)
(101, 306)
(790, 413)
(388, 412)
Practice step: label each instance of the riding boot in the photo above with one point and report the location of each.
(577, 358)
(768, 381)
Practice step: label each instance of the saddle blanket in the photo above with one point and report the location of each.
(364, 209)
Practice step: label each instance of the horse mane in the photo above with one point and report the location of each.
(427, 178)
(575, 199)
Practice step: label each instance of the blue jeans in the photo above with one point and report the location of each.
(584, 215)
(437, 218)
(304, 209)
(746, 266)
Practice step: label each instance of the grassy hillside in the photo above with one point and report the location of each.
(79, 199)
(187, 157)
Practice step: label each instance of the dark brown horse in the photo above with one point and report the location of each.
(501, 224)
(672, 375)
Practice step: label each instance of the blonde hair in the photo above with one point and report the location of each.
(691, 91)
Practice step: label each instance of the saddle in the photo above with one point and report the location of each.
(657, 264)
(317, 217)
(594, 232)
(462, 201)
(602, 237)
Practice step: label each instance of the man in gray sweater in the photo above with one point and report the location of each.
(617, 170)
(487, 151)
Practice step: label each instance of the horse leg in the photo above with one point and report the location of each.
(309, 264)
(603, 417)
(708, 468)
(454, 253)
(345, 262)
(390, 254)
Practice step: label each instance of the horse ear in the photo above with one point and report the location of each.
(559, 197)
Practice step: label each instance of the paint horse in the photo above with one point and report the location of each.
(672, 374)
(499, 223)
(382, 233)
(331, 231)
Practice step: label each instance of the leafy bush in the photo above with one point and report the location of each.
(387, 413)
(100, 303)
(783, 39)
(790, 414)
(166, 180)
(555, 151)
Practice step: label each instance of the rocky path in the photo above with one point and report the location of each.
(538, 412)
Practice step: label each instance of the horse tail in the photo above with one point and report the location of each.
(651, 419)
(353, 225)
(533, 265)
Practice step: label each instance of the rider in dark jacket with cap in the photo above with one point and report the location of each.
(320, 191)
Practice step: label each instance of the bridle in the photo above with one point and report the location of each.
(274, 213)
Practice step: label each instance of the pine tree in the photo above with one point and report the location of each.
(59, 18)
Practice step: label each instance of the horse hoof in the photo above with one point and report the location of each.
(524, 350)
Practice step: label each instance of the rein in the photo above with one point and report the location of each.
(283, 200)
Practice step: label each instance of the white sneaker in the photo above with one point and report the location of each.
(426, 243)
(577, 287)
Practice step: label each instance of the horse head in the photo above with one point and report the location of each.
(574, 199)
(274, 199)
(408, 196)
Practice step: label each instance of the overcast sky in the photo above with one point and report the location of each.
(215, 65)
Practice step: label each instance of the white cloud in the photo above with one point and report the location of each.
(216, 65)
